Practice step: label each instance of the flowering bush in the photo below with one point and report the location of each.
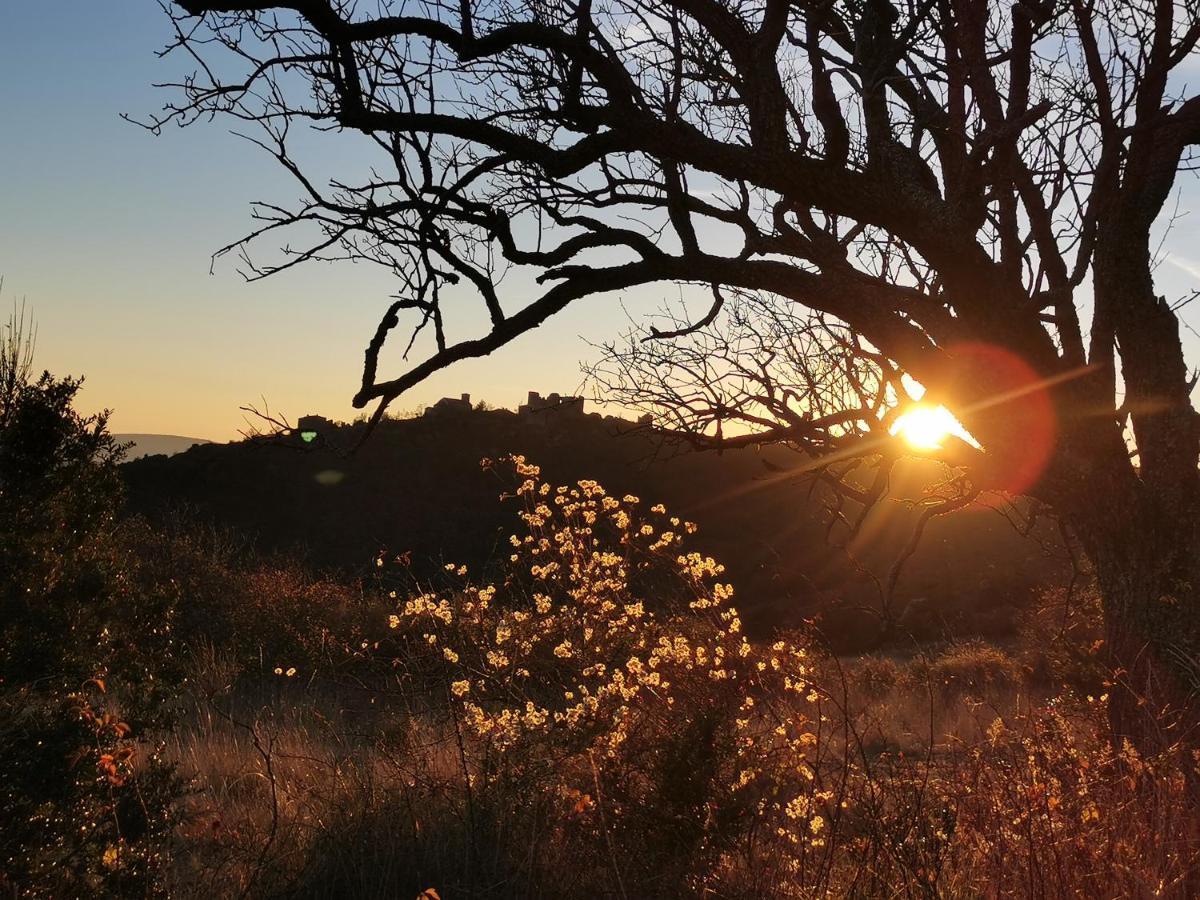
(606, 672)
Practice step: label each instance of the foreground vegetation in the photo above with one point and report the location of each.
(549, 733)
(181, 717)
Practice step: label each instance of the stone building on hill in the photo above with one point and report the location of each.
(313, 428)
(450, 406)
(536, 408)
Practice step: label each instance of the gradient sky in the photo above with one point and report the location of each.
(107, 231)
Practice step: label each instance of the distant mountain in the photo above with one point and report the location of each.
(416, 485)
(154, 444)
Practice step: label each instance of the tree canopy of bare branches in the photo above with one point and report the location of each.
(958, 192)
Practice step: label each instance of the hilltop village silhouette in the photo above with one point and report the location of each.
(554, 409)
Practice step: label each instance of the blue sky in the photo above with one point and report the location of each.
(107, 231)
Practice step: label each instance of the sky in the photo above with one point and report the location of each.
(107, 231)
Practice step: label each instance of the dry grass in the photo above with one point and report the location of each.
(1013, 799)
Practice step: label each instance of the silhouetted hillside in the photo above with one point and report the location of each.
(417, 486)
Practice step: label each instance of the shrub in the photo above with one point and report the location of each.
(85, 661)
(1064, 638)
(970, 668)
(605, 678)
(1045, 806)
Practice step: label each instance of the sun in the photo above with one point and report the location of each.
(926, 427)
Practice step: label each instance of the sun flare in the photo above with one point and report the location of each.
(926, 427)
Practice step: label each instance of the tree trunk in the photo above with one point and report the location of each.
(1140, 522)
(1150, 591)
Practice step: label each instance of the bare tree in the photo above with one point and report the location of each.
(949, 184)
(755, 370)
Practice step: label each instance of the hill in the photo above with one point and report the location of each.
(156, 444)
(416, 486)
